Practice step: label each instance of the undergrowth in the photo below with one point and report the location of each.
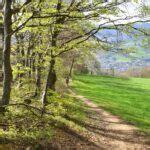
(26, 123)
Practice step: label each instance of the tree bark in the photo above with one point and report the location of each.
(52, 77)
(70, 72)
(6, 52)
(38, 76)
(50, 83)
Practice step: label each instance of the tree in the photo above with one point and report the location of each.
(6, 52)
(7, 70)
(61, 27)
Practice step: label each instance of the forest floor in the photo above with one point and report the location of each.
(103, 131)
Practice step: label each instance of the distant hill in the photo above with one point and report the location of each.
(130, 51)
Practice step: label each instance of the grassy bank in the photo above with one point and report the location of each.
(126, 98)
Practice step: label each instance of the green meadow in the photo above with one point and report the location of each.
(128, 98)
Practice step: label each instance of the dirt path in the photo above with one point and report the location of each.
(111, 133)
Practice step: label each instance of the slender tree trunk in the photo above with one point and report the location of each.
(30, 66)
(52, 73)
(22, 52)
(6, 53)
(50, 83)
(33, 62)
(71, 68)
(52, 77)
(70, 72)
(28, 59)
(38, 76)
(38, 81)
(17, 52)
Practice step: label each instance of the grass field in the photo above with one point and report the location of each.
(128, 98)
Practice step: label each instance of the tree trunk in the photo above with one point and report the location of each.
(52, 77)
(6, 53)
(38, 75)
(22, 51)
(50, 83)
(70, 72)
(28, 59)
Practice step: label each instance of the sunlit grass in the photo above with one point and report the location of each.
(128, 98)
